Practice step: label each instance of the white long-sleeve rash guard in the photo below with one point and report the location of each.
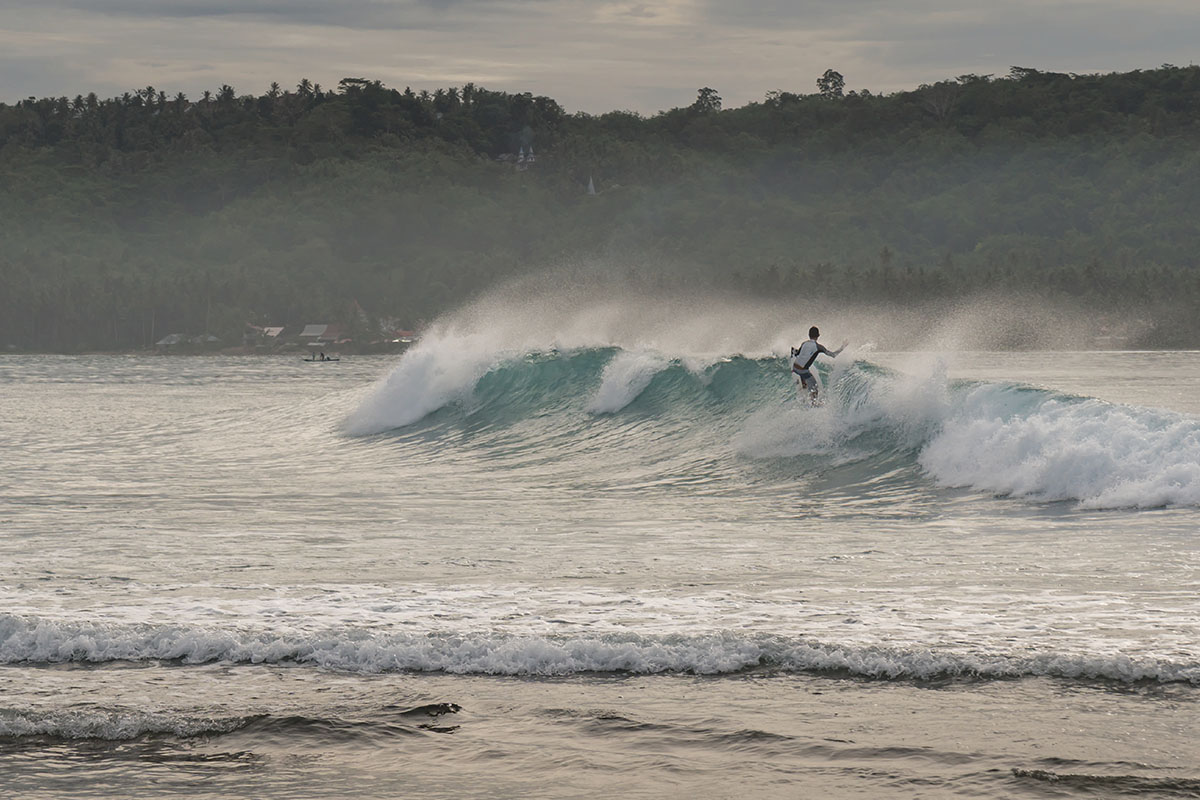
(807, 354)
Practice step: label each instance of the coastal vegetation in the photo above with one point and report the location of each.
(131, 217)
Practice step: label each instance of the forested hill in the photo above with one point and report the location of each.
(128, 218)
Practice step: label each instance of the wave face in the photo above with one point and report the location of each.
(997, 438)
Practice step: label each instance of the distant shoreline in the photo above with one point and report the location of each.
(303, 356)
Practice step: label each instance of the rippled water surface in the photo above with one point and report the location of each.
(556, 573)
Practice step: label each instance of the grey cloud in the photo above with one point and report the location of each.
(48, 76)
(887, 17)
(892, 46)
(354, 14)
(808, 14)
(1062, 40)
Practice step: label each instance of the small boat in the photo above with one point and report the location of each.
(319, 360)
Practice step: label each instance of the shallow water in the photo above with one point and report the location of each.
(545, 572)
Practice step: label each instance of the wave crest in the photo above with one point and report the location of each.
(625, 377)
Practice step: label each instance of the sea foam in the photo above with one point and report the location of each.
(1059, 448)
(110, 724)
(625, 377)
(496, 653)
(427, 378)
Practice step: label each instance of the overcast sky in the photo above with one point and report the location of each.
(590, 55)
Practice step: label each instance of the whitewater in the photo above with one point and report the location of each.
(581, 553)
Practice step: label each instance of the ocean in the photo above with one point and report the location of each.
(499, 567)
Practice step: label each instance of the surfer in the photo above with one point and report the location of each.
(803, 358)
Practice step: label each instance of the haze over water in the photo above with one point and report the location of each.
(571, 555)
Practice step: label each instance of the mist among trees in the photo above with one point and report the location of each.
(131, 217)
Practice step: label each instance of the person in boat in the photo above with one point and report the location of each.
(323, 355)
(802, 361)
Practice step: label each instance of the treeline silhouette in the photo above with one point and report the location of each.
(132, 217)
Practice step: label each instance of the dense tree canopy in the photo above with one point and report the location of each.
(126, 218)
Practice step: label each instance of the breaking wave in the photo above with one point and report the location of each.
(709, 653)
(999, 438)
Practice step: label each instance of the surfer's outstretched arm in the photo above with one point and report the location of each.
(831, 353)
